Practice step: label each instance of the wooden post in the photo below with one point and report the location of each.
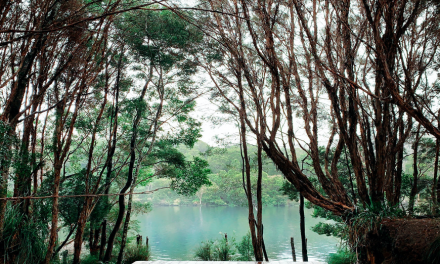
(146, 239)
(137, 240)
(226, 237)
(292, 244)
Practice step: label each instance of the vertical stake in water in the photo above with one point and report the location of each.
(292, 244)
(146, 243)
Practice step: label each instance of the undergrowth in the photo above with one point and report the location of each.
(342, 256)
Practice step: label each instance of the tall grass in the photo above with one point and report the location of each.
(29, 233)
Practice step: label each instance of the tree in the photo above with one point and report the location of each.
(358, 68)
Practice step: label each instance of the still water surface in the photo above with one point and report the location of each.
(175, 232)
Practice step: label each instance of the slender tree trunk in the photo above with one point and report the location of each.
(127, 217)
(121, 202)
(94, 246)
(434, 182)
(103, 240)
(303, 228)
(248, 187)
(111, 152)
(86, 209)
(62, 147)
(434, 189)
(260, 238)
(414, 188)
(78, 241)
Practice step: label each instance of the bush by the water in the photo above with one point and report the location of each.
(136, 253)
(204, 251)
(224, 250)
(244, 247)
(342, 256)
(218, 250)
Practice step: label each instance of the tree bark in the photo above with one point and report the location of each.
(103, 240)
(303, 228)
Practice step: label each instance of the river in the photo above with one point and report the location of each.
(175, 232)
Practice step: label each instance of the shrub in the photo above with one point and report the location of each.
(223, 250)
(30, 232)
(245, 248)
(136, 253)
(204, 251)
(90, 259)
(218, 250)
(342, 256)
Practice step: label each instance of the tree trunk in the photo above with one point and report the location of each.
(435, 179)
(103, 240)
(61, 146)
(129, 181)
(94, 240)
(121, 200)
(303, 228)
(127, 217)
(111, 152)
(259, 223)
(414, 188)
(82, 220)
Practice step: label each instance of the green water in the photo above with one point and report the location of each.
(174, 232)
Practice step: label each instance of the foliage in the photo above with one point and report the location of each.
(205, 251)
(191, 177)
(336, 230)
(136, 253)
(6, 140)
(90, 259)
(370, 219)
(432, 255)
(290, 191)
(342, 256)
(31, 236)
(245, 248)
(224, 249)
(217, 250)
